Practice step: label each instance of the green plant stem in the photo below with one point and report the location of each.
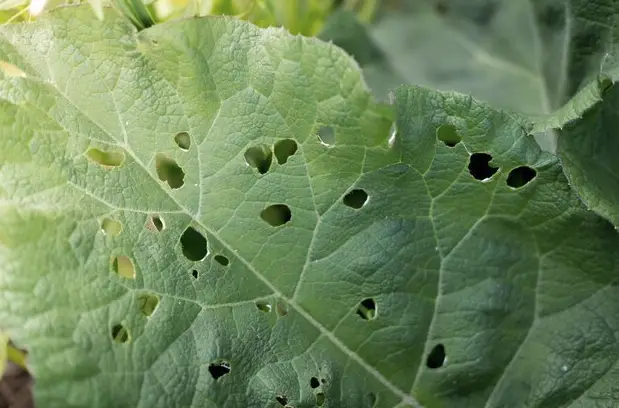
(16, 356)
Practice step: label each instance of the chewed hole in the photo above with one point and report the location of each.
(355, 199)
(282, 399)
(436, 358)
(11, 70)
(521, 176)
(218, 369)
(371, 398)
(120, 334)
(367, 309)
(148, 303)
(479, 166)
(276, 215)
(155, 223)
(123, 266)
(222, 260)
(259, 157)
(326, 134)
(111, 227)
(314, 383)
(448, 135)
(183, 140)
(284, 149)
(194, 244)
(281, 308)
(169, 171)
(112, 158)
(263, 306)
(320, 399)
(195, 274)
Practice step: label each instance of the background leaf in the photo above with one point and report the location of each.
(146, 262)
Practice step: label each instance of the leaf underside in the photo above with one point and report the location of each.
(144, 268)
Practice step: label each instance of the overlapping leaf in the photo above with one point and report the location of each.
(206, 214)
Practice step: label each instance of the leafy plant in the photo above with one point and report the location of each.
(205, 213)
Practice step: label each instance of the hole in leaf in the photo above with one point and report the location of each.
(168, 171)
(183, 140)
(120, 334)
(479, 166)
(520, 176)
(320, 399)
(284, 149)
(11, 70)
(123, 266)
(281, 309)
(282, 399)
(371, 398)
(219, 369)
(276, 215)
(222, 260)
(367, 309)
(259, 157)
(194, 273)
(263, 306)
(356, 199)
(148, 303)
(326, 134)
(314, 383)
(111, 227)
(155, 223)
(323, 380)
(194, 244)
(114, 158)
(436, 358)
(448, 135)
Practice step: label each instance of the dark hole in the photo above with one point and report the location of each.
(156, 223)
(114, 158)
(314, 383)
(320, 399)
(259, 157)
(367, 309)
(183, 140)
(120, 334)
(263, 306)
(219, 369)
(326, 134)
(479, 166)
(282, 400)
(284, 149)
(520, 176)
(324, 381)
(356, 199)
(194, 273)
(168, 171)
(194, 244)
(222, 260)
(436, 358)
(281, 309)
(148, 303)
(371, 398)
(447, 134)
(276, 215)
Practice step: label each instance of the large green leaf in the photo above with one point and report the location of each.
(206, 214)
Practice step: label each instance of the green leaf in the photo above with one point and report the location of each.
(529, 56)
(146, 262)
